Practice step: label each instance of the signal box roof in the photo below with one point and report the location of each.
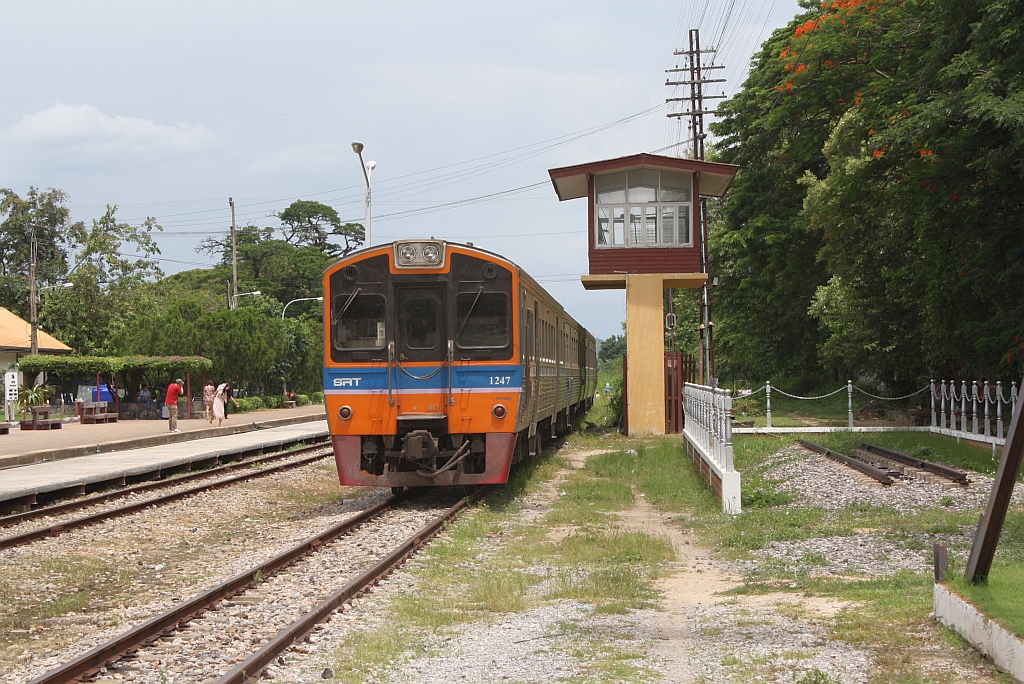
(571, 181)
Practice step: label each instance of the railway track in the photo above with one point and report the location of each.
(198, 621)
(307, 455)
(888, 467)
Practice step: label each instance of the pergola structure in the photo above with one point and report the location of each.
(646, 232)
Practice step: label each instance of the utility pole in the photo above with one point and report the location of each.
(234, 253)
(695, 75)
(32, 293)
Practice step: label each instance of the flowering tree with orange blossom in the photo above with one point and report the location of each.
(877, 225)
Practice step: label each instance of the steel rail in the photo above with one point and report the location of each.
(148, 632)
(939, 469)
(251, 669)
(855, 463)
(84, 521)
(56, 509)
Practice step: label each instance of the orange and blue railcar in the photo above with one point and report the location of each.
(445, 364)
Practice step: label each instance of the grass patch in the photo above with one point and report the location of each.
(1000, 597)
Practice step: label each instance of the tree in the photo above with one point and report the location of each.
(55, 235)
(612, 348)
(874, 225)
(113, 263)
(308, 223)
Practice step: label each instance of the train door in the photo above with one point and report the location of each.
(421, 350)
(528, 352)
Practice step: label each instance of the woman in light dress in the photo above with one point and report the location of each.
(222, 396)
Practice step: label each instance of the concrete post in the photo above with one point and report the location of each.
(931, 384)
(849, 403)
(768, 395)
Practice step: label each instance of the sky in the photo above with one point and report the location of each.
(168, 109)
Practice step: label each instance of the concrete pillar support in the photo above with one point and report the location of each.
(645, 341)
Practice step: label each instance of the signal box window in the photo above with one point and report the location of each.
(357, 321)
(656, 204)
(482, 319)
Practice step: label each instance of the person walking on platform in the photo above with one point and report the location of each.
(174, 390)
(220, 400)
(208, 393)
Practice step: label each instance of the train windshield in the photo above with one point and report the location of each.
(482, 319)
(421, 317)
(357, 321)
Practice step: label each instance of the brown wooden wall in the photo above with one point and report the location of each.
(645, 260)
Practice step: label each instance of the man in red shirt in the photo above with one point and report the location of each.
(174, 391)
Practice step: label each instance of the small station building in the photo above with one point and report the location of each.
(646, 232)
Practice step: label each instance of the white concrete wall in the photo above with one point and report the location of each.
(1004, 648)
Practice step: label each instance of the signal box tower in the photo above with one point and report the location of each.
(646, 232)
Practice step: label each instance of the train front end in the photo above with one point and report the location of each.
(422, 376)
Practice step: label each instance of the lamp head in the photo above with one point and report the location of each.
(256, 293)
(371, 165)
(357, 147)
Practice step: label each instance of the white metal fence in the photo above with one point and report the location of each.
(966, 411)
(708, 437)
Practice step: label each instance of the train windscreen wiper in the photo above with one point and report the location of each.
(348, 302)
(479, 291)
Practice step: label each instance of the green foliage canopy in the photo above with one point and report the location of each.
(875, 224)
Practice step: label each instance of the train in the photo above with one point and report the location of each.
(445, 364)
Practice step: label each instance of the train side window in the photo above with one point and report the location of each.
(358, 321)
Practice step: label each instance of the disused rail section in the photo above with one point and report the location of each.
(855, 463)
(89, 663)
(939, 469)
(251, 669)
(84, 521)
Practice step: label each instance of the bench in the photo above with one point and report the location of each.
(5, 428)
(96, 412)
(41, 420)
(289, 404)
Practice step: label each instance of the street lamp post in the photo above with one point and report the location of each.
(284, 383)
(368, 168)
(300, 299)
(254, 293)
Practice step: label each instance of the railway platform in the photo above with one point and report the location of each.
(24, 486)
(76, 439)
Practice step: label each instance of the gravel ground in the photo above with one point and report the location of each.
(821, 482)
(212, 644)
(165, 552)
(128, 499)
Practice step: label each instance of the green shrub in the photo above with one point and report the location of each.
(317, 397)
(250, 404)
(301, 400)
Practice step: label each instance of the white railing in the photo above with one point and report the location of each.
(973, 412)
(964, 403)
(708, 436)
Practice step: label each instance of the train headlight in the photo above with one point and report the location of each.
(419, 253)
(499, 411)
(345, 412)
(407, 254)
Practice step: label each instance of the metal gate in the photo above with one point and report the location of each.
(680, 369)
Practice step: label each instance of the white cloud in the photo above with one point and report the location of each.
(78, 136)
